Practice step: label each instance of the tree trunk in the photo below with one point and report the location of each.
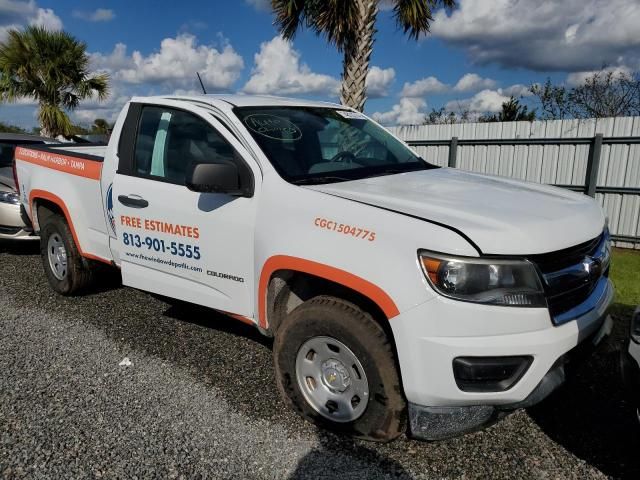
(356, 56)
(53, 120)
(44, 131)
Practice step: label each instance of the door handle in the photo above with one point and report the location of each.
(133, 201)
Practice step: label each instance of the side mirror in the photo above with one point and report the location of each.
(214, 178)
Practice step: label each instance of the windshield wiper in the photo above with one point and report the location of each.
(403, 169)
(393, 171)
(320, 180)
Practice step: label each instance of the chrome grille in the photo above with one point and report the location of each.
(571, 275)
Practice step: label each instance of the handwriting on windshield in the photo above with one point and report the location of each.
(272, 126)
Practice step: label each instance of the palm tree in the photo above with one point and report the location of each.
(350, 25)
(100, 126)
(51, 68)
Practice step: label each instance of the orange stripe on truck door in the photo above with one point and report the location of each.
(44, 195)
(56, 161)
(284, 262)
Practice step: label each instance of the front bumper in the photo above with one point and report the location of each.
(431, 335)
(12, 223)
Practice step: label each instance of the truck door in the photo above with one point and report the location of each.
(192, 246)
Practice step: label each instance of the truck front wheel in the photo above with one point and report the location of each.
(66, 270)
(335, 366)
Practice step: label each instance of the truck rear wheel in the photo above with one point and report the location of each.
(65, 268)
(335, 366)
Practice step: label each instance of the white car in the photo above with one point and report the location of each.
(14, 223)
(394, 289)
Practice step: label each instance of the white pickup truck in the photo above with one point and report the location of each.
(396, 291)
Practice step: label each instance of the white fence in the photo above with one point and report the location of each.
(615, 165)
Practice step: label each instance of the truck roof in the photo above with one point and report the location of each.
(245, 100)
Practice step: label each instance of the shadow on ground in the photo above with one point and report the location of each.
(21, 247)
(341, 457)
(205, 317)
(589, 415)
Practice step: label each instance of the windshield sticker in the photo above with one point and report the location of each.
(351, 115)
(272, 126)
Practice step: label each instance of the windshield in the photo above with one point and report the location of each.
(323, 145)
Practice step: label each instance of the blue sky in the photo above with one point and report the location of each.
(475, 57)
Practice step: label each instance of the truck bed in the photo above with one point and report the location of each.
(69, 178)
(95, 151)
(67, 157)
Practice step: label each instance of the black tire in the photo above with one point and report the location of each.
(384, 416)
(78, 273)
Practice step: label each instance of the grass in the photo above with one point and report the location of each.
(625, 273)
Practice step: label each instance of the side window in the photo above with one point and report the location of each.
(169, 140)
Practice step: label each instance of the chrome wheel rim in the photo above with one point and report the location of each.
(332, 379)
(57, 256)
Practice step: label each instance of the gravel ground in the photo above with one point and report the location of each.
(198, 400)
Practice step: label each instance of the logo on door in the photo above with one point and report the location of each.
(109, 208)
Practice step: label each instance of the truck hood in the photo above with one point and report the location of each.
(500, 215)
(6, 178)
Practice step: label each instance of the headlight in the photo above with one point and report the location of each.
(495, 282)
(9, 197)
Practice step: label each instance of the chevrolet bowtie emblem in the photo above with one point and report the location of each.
(592, 267)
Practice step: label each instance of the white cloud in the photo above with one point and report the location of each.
(277, 71)
(431, 85)
(517, 90)
(84, 116)
(16, 14)
(488, 100)
(573, 35)
(578, 78)
(45, 17)
(174, 65)
(409, 111)
(99, 15)
(169, 70)
(112, 62)
(473, 82)
(423, 87)
(379, 80)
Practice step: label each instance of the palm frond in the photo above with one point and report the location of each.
(289, 16)
(337, 20)
(414, 17)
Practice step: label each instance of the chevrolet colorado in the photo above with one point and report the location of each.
(397, 292)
